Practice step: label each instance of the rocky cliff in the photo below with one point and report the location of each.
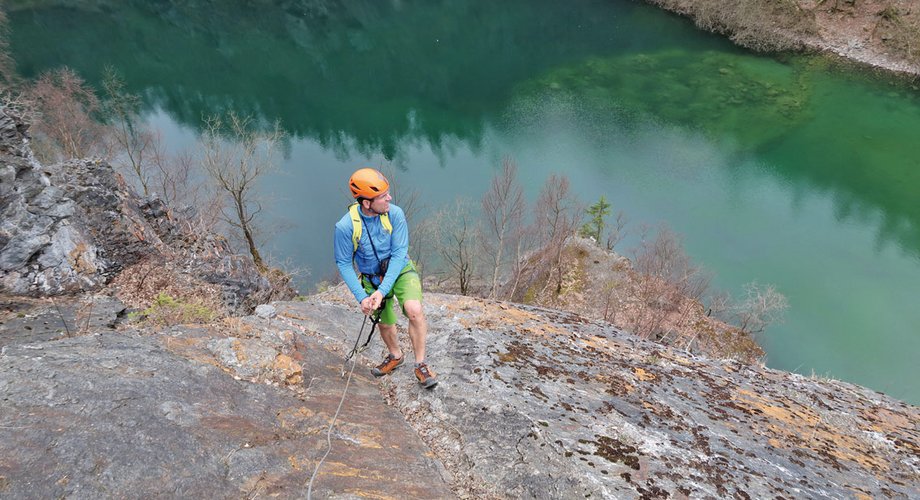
(77, 227)
(532, 403)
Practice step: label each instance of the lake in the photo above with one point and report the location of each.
(787, 170)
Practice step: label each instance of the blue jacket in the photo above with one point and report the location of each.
(395, 246)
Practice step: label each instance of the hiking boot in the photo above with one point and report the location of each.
(387, 366)
(426, 377)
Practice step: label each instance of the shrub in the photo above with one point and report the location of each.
(68, 123)
(167, 311)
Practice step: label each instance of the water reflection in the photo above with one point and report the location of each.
(347, 74)
(811, 126)
(773, 168)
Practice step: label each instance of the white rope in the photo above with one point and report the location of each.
(354, 361)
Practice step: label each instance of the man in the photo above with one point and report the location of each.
(374, 236)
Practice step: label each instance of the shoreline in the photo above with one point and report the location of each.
(851, 33)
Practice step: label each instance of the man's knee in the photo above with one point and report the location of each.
(387, 329)
(413, 310)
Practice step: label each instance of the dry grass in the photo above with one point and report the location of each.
(602, 285)
(180, 298)
(760, 25)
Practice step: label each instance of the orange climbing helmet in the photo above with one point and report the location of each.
(368, 183)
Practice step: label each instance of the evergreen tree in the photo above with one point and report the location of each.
(594, 228)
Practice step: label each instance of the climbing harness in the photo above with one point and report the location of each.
(375, 319)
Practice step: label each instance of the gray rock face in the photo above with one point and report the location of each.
(24, 320)
(265, 311)
(74, 226)
(123, 415)
(534, 403)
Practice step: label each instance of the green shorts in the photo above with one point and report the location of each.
(408, 286)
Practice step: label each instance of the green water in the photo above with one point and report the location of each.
(782, 170)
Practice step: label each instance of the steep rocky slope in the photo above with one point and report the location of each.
(223, 412)
(538, 403)
(532, 403)
(76, 226)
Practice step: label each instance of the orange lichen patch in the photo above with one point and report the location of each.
(862, 496)
(366, 436)
(79, 260)
(662, 412)
(288, 368)
(616, 385)
(285, 336)
(289, 315)
(888, 419)
(643, 375)
(775, 443)
(674, 357)
(295, 463)
(492, 315)
(240, 428)
(237, 327)
(239, 350)
(295, 417)
(359, 493)
(190, 348)
(342, 470)
(794, 423)
(596, 342)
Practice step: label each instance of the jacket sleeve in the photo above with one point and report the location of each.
(399, 250)
(344, 254)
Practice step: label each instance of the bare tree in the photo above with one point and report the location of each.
(236, 154)
(8, 78)
(558, 213)
(668, 285)
(617, 231)
(171, 176)
(524, 238)
(67, 123)
(136, 144)
(503, 210)
(457, 234)
(423, 243)
(762, 305)
(405, 195)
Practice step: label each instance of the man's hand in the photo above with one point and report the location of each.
(371, 303)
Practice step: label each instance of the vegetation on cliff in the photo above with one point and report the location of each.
(881, 33)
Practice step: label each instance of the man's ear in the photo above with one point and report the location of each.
(366, 204)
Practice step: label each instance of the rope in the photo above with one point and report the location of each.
(354, 361)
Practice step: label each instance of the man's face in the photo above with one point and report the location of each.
(381, 203)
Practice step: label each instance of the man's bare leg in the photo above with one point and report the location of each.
(418, 328)
(388, 334)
